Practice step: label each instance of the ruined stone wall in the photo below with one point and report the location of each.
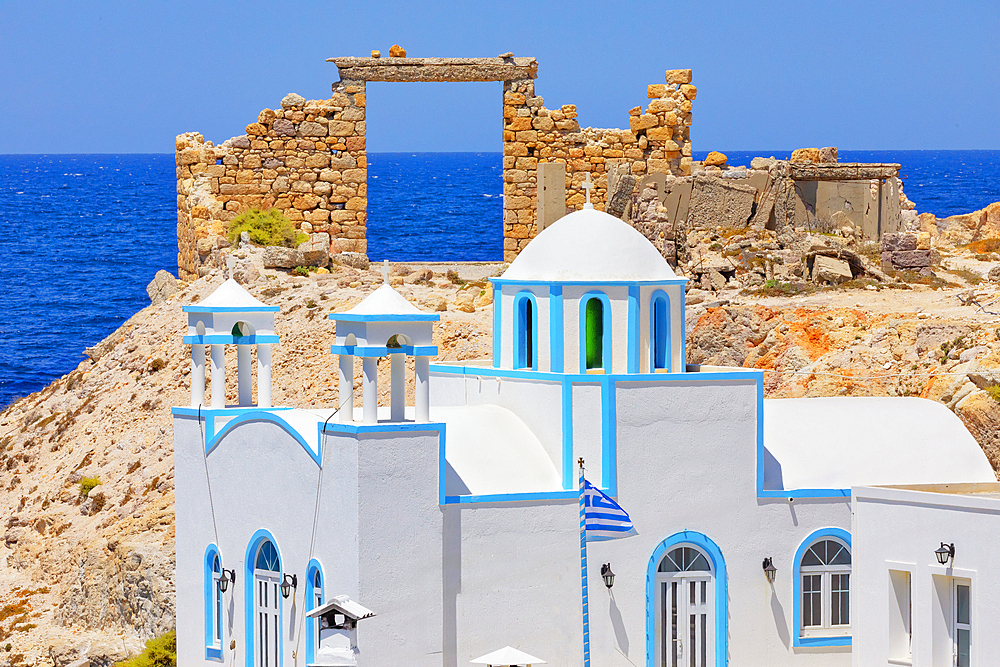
(309, 159)
(306, 158)
(657, 140)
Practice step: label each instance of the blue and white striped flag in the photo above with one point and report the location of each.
(604, 518)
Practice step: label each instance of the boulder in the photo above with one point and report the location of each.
(805, 155)
(465, 301)
(376, 54)
(397, 51)
(715, 159)
(718, 203)
(356, 260)
(994, 275)
(911, 259)
(893, 242)
(162, 287)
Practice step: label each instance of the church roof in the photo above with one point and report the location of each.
(230, 297)
(840, 442)
(384, 304)
(589, 246)
(508, 656)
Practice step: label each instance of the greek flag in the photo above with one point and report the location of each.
(604, 518)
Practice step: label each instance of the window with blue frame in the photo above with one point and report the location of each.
(213, 603)
(825, 590)
(314, 599)
(594, 334)
(525, 334)
(660, 333)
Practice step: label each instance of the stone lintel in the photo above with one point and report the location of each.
(435, 69)
(843, 171)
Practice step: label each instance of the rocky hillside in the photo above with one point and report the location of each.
(87, 561)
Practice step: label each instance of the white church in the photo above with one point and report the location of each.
(806, 532)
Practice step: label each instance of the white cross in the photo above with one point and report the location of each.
(230, 264)
(587, 186)
(385, 271)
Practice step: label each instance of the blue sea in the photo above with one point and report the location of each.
(84, 234)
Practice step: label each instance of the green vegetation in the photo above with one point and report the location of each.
(994, 391)
(970, 277)
(267, 228)
(159, 652)
(300, 271)
(777, 288)
(87, 484)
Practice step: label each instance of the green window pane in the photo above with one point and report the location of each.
(595, 334)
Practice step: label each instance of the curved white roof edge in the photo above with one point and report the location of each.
(230, 294)
(840, 442)
(589, 246)
(385, 301)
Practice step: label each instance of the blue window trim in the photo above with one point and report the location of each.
(633, 329)
(568, 480)
(712, 550)
(249, 561)
(213, 651)
(555, 329)
(606, 351)
(797, 638)
(519, 345)
(311, 570)
(656, 295)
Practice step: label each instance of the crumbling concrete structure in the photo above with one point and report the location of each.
(309, 158)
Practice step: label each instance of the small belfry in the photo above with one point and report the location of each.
(384, 324)
(231, 316)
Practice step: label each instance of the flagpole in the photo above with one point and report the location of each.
(583, 571)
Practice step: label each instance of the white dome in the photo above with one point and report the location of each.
(589, 245)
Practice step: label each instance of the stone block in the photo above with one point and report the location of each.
(678, 76)
(256, 129)
(892, 242)
(831, 270)
(805, 155)
(911, 259)
(340, 128)
(716, 159)
(828, 155)
(656, 90)
(311, 129)
(292, 101)
(660, 133)
(720, 203)
(689, 91)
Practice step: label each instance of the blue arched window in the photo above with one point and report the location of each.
(525, 331)
(595, 333)
(659, 332)
(213, 604)
(314, 598)
(262, 597)
(822, 588)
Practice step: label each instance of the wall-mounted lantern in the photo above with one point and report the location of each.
(228, 577)
(770, 571)
(289, 582)
(608, 575)
(945, 553)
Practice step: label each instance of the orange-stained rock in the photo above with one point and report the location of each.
(397, 51)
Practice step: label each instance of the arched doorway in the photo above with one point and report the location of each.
(267, 606)
(686, 612)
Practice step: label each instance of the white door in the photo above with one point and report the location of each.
(267, 623)
(686, 621)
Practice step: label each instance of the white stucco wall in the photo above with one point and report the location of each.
(899, 529)
(378, 532)
(507, 318)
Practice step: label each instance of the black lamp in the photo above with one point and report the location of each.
(289, 582)
(945, 552)
(228, 576)
(609, 576)
(769, 570)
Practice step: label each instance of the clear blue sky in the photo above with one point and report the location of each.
(125, 76)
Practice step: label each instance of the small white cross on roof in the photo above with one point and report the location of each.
(230, 264)
(385, 271)
(587, 186)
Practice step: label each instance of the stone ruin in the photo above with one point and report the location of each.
(308, 158)
(777, 219)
